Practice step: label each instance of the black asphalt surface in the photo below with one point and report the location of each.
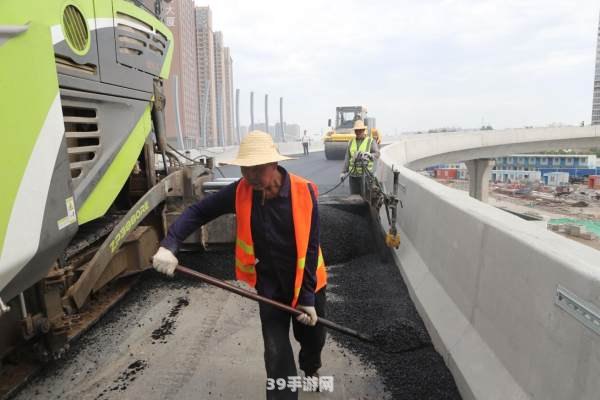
(370, 296)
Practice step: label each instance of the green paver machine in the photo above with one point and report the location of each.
(82, 118)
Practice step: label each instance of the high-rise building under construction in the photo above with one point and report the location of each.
(596, 101)
(231, 137)
(206, 77)
(220, 86)
(181, 113)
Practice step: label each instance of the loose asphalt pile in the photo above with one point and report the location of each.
(345, 233)
(371, 297)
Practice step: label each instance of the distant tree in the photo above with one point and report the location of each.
(487, 128)
(595, 150)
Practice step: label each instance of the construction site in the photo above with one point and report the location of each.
(569, 209)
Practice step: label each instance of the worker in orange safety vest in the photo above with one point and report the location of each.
(277, 252)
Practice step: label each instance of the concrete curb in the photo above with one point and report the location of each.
(477, 371)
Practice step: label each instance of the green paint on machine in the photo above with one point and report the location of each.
(23, 113)
(126, 229)
(33, 123)
(113, 180)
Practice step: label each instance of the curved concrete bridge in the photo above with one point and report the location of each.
(511, 306)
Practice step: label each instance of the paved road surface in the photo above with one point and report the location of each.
(315, 167)
(178, 339)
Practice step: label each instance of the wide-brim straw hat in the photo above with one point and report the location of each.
(257, 148)
(359, 125)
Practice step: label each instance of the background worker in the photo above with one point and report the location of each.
(358, 147)
(277, 252)
(305, 143)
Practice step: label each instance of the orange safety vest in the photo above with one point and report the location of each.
(302, 215)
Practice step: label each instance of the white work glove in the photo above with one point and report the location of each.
(164, 261)
(309, 317)
(342, 176)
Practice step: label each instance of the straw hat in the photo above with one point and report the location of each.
(257, 148)
(359, 124)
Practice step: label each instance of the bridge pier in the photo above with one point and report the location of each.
(479, 177)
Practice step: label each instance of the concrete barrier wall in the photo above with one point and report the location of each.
(484, 281)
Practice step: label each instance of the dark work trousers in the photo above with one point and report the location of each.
(355, 184)
(305, 146)
(279, 357)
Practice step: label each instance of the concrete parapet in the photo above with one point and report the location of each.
(485, 283)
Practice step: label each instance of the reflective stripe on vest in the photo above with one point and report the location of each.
(365, 147)
(302, 216)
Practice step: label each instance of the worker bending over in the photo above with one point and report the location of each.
(362, 151)
(277, 252)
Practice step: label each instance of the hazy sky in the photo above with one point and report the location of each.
(414, 64)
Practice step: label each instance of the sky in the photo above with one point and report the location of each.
(415, 65)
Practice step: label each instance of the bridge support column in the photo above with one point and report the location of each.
(479, 177)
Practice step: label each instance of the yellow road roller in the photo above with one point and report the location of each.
(338, 136)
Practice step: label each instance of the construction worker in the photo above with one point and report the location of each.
(305, 143)
(362, 150)
(277, 252)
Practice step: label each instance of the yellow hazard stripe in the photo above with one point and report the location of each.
(301, 262)
(320, 261)
(249, 269)
(248, 249)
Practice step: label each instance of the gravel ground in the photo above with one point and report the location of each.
(371, 297)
